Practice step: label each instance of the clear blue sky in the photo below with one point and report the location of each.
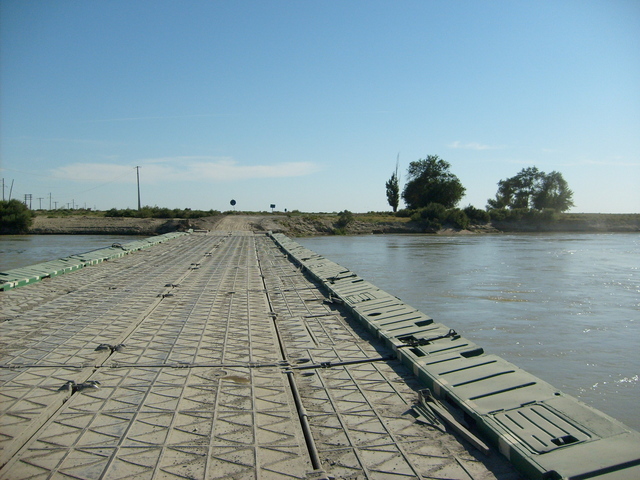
(306, 104)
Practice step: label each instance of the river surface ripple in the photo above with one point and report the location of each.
(564, 307)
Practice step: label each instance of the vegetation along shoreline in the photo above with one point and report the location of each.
(298, 224)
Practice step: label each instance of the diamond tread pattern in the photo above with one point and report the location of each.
(210, 324)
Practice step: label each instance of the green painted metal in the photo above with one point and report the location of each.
(545, 433)
(19, 277)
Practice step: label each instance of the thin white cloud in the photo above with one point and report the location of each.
(162, 117)
(183, 169)
(614, 162)
(230, 170)
(473, 146)
(81, 141)
(93, 172)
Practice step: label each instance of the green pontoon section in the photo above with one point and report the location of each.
(19, 277)
(545, 433)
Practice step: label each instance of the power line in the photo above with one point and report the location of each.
(105, 183)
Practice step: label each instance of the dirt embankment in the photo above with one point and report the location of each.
(302, 226)
(94, 225)
(313, 225)
(88, 225)
(309, 225)
(576, 223)
(294, 226)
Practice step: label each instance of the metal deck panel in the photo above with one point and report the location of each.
(210, 336)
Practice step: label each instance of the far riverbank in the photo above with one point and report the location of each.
(302, 225)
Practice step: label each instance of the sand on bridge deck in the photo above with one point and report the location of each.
(210, 356)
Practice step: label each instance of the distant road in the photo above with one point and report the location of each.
(236, 222)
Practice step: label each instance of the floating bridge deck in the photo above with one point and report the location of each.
(246, 356)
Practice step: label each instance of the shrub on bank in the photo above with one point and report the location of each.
(457, 218)
(157, 212)
(15, 217)
(508, 214)
(345, 218)
(433, 212)
(477, 215)
(434, 216)
(548, 215)
(404, 213)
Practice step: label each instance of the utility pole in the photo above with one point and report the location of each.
(3, 189)
(40, 202)
(55, 204)
(49, 200)
(27, 198)
(138, 175)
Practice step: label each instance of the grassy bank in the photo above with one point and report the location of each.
(376, 222)
(574, 222)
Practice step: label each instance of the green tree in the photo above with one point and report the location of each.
(15, 217)
(393, 189)
(554, 193)
(533, 189)
(517, 191)
(430, 181)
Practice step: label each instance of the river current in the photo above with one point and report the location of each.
(565, 307)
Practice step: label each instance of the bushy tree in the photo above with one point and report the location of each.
(517, 191)
(15, 217)
(430, 181)
(554, 193)
(533, 189)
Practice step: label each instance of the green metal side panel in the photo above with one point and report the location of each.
(34, 273)
(27, 275)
